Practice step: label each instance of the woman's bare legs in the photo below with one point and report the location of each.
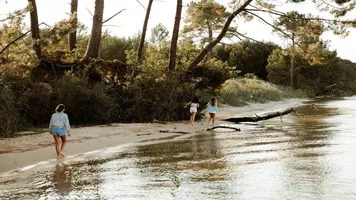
(212, 115)
(210, 118)
(56, 144)
(192, 117)
(64, 140)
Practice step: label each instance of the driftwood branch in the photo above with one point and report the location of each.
(168, 131)
(141, 134)
(313, 106)
(158, 121)
(229, 127)
(257, 118)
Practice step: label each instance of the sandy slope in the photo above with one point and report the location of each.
(32, 148)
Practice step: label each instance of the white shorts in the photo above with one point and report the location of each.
(193, 109)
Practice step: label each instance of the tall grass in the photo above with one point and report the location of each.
(239, 92)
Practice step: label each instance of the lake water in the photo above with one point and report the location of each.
(310, 157)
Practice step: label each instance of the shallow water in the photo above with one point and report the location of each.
(311, 157)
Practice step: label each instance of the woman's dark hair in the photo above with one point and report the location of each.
(213, 101)
(60, 108)
(195, 100)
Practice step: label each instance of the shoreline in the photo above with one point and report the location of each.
(29, 149)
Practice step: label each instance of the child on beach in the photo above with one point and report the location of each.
(212, 108)
(194, 105)
(58, 125)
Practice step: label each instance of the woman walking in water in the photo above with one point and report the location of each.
(58, 127)
(194, 105)
(212, 108)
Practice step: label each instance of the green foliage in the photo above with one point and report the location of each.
(112, 47)
(153, 94)
(251, 57)
(337, 73)
(12, 89)
(84, 105)
(159, 34)
(204, 17)
(55, 45)
(16, 58)
(187, 51)
(24, 104)
(154, 97)
(156, 60)
(222, 52)
(304, 35)
(9, 118)
(156, 94)
(210, 74)
(278, 68)
(34, 104)
(314, 79)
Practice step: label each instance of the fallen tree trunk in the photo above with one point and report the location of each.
(262, 117)
(228, 127)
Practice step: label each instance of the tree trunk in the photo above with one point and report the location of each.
(292, 64)
(72, 38)
(173, 52)
(203, 53)
(35, 30)
(143, 36)
(210, 38)
(95, 37)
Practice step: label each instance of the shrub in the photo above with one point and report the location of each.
(34, 104)
(209, 74)
(9, 117)
(84, 105)
(155, 98)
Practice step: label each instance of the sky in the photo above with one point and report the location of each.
(130, 20)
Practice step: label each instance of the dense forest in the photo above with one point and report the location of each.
(102, 78)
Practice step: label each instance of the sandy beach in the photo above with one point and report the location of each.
(30, 148)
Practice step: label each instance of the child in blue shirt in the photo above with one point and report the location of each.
(212, 108)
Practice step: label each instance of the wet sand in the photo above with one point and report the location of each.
(31, 148)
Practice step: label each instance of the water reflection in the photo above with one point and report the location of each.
(62, 179)
(182, 165)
